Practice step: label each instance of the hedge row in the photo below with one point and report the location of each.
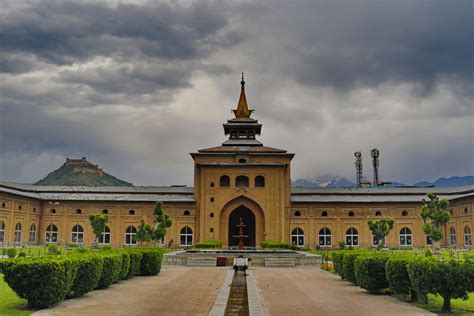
(277, 245)
(208, 244)
(45, 281)
(402, 274)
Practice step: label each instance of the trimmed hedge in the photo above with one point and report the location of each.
(208, 245)
(44, 282)
(277, 245)
(348, 265)
(89, 270)
(370, 272)
(135, 261)
(111, 271)
(124, 265)
(338, 260)
(151, 262)
(421, 272)
(398, 279)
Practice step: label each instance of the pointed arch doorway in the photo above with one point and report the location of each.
(248, 218)
(252, 216)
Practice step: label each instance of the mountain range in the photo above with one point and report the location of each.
(341, 182)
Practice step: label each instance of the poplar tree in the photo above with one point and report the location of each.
(162, 221)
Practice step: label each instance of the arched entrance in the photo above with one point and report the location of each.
(252, 216)
(248, 218)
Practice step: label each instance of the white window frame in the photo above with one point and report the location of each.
(452, 236)
(376, 244)
(104, 235)
(325, 236)
(130, 234)
(352, 234)
(77, 235)
(17, 233)
(297, 237)
(188, 236)
(407, 236)
(32, 233)
(467, 236)
(51, 235)
(2, 232)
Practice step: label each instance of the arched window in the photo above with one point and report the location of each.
(212, 214)
(51, 234)
(211, 230)
(297, 237)
(2, 232)
(19, 207)
(242, 160)
(325, 238)
(297, 213)
(131, 212)
(212, 184)
(224, 181)
(452, 236)
(429, 240)
(186, 236)
(17, 233)
(324, 214)
(465, 210)
(52, 211)
(33, 233)
(405, 213)
(77, 235)
(212, 199)
(375, 241)
(187, 213)
(78, 211)
(4, 205)
(104, 238)
(130, 233)
(242, 182)
(467, 236)
(259, 182)
(351, 213)
(105, 211)
(378, 213)
(406, 237)
(352, 237)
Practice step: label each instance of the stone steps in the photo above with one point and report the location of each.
(202, 261)
(280, 262)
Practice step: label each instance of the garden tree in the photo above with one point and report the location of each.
(162, 222)
(144, 232)
(435, 215)
(98, 223)
(380, 230)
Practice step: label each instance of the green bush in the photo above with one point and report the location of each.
(89, 270)
(338, 260)
(422, 276)
(450, 282)
(42, 281)
(111, 270)
(398, 279)
(277, 245)
(151, 261)
(54, 249)
(21, 254)
(135, 261)
(468, 267)
(370, 272)
(124, 265)
(208, 244)
(348, 265)
(11, 252)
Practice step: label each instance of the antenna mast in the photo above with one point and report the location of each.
(358, 165)
(375, 162)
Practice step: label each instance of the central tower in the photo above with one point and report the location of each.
(242, 178)
(242, 129)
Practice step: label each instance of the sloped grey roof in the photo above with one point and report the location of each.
(380, 190)
(369, 198)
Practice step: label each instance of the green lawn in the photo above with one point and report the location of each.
(10, 303)
(459, 306)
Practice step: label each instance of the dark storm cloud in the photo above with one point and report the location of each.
(62, 32)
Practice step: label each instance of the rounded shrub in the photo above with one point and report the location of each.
(11, 252)
(396, 270)
(422, 276)
(111, 269)
(89, 271)
(450, 281)
(42, 281)
(135, 261)
(468, 267)
(348, 265)
(151, 261)
(369, 272)
(338, 260)
(124, 265)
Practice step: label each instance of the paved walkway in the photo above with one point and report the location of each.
(305, 291)
(176, 291)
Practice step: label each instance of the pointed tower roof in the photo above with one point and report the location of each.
(242, 110)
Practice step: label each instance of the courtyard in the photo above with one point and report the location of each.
(193, 291)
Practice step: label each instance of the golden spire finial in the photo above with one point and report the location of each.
(242, 110)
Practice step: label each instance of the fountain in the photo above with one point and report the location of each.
(241, 235)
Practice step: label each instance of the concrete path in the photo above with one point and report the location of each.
(304, 291)
(176, 291)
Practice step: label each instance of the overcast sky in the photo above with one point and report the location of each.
(137, 86)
